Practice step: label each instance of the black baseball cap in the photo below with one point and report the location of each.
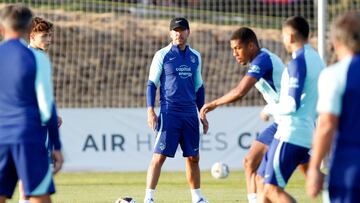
(179, 23)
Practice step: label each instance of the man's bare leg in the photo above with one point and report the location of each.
(193, 178)
(251, 164)
(153, 175)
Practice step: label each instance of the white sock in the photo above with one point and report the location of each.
(24, 201)
(195, 195)
(251, 197)
(149, 194)
(325, 196)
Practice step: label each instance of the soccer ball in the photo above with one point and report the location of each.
(219, 170)
(125, 200)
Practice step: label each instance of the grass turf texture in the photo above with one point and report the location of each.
(172, 188)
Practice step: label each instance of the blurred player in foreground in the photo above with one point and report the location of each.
(265, 69)
(296, 111)
(339, 122)
(177, 68)
(27, 112)
(40, 38)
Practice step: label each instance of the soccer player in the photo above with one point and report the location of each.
(41, 34)
(177, 69)
(339, 122)
(27, 111)
(40, 38)
(265, 69)
(296, 111)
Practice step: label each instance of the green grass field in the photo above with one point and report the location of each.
(172, 188)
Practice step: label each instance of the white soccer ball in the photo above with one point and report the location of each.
(125, 200)
(220, 170)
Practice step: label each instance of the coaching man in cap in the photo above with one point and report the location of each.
(176, 70)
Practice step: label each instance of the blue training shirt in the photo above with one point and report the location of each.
(267, 68)
(27, 107)
(297, 104)
(339, 94)
(179, 75)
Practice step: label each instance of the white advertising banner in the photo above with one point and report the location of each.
(120, 140)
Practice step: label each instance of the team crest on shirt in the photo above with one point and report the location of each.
(192, 59)
(254, 69)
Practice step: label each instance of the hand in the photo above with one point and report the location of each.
(207, 108)
(59, 121)
(205, 124)
(152, 119)
(58, 160)
(264, 116)
(314, 182)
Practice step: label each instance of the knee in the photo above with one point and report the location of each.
(193, 160)
(249, 163)
(271, 190)
(259, 179)
(158, 160)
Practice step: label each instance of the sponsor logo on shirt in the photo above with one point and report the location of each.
(293, 82)
(254, 69)
(184, 71)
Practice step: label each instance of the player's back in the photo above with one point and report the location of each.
(19, 111)
(314, 65)
(297, 127)
(341, 96)
(345, 75)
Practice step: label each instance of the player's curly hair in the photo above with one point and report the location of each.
(41, 25)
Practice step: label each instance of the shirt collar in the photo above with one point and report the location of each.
(296, 53)
(29, 46)
(176, 48)
(257, 55)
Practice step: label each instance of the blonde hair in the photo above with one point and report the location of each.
(346, 30)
